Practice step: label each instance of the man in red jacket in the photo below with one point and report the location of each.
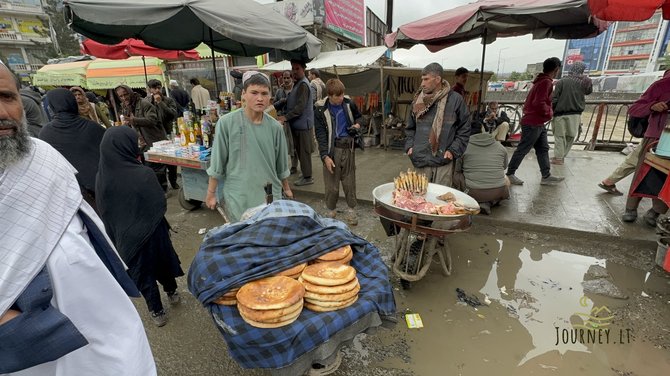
(536, 112)
(653, 104)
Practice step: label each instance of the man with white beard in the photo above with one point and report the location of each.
(64, 308)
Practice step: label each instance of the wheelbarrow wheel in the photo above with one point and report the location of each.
(187, 204)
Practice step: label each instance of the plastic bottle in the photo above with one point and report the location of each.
(206, 132)
(183, 131)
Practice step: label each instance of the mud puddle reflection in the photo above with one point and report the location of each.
(540, 319)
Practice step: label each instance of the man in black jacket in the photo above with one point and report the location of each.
(142, 116)
(180, 97)
(438, 127)
(336, 123)
(166, 108)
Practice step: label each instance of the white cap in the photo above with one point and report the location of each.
(251, 73)
(174, 83)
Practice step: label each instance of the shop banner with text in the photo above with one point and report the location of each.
(346, 18)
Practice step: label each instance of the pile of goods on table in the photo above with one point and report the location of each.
(410, 194)
(327, 284)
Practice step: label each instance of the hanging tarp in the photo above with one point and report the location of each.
(108, 74)
(624, 10)
(237, 27)
(64, 74)
(355, 57)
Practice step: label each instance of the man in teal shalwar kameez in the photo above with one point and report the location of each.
(249, 151)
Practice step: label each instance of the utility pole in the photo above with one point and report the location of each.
(389, 16)
(499, 52)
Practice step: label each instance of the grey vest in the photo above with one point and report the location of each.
(306, 120)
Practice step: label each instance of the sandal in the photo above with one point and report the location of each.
(610, 189)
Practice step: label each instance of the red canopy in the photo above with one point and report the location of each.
(134, 47)
(559, 19)
(628, 10)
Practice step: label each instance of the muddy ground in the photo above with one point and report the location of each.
(533, 284)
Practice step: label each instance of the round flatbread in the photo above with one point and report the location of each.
(337, 254)
(328, 274)
(269, 315)
(331, 304)
(226, 301)
(344, 260)
(271, 325)
(295, 276)
(271, 293)
(339, 289)
(333, 297)
(231, 293)
(293, 271)
(316, 308)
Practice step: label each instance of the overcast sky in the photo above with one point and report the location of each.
(515, 53)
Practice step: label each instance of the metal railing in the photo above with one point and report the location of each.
(603, 124)
(9, 36)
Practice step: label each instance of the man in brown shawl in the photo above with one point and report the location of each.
(438, 127)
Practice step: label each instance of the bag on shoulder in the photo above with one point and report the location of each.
(637, 126)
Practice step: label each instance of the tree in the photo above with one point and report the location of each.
(66, 43)
(664, 62)
(494, 78)
(515, 76)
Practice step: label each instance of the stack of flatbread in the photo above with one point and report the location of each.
(329, 286)
(271, 302)
(293, 272)
(341, 255)
(229, 298)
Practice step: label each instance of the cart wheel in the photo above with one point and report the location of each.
(405, 284)
(187, 204)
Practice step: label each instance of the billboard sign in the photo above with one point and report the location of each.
(300, 12)
(346, 18)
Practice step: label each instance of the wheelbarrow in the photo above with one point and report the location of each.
(419, 237)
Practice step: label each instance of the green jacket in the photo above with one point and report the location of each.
(484, 162)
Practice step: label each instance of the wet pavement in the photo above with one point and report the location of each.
(576, 204)
(532, 282)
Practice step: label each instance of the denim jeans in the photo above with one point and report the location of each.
(532, 137)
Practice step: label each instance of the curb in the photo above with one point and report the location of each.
(525, 226)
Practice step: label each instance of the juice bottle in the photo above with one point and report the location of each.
(191, 135)
(205, 132)
(183, 131)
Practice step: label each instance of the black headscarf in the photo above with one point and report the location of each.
(76, 138)
(92, 97)
(130, 200)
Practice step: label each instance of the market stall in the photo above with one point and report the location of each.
(108, 74)
(63, 74)
(193, 189)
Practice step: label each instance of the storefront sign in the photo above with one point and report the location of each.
(31, 26)
(346, 18)
(5, 24)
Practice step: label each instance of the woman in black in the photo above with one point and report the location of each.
(132, 206)
(76, 138)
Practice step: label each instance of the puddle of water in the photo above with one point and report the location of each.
(517, 334)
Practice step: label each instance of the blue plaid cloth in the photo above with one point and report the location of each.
(282, 235)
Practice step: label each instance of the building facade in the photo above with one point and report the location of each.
(625, 48)
(21, 30)
(340, 24)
